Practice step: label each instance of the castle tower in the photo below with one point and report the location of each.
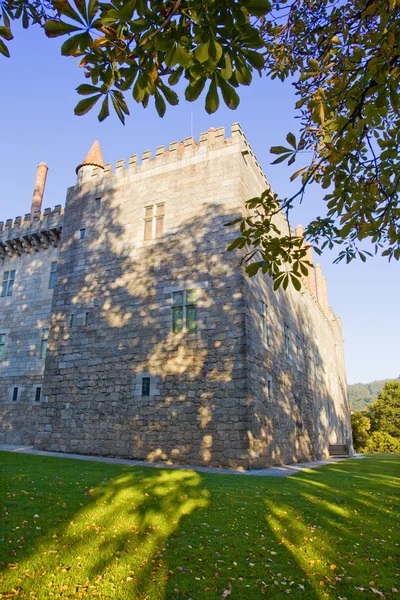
(94, 158)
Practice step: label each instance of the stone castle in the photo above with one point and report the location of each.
(126, 329)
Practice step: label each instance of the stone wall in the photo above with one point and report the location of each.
(260, 381)
(119, 289)
(27, 249)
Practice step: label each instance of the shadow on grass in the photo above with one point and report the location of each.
(131, 533)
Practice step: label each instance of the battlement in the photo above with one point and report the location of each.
(30, 234)
(189, 148)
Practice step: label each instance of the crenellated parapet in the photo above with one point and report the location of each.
(31, 233)
(213, 140)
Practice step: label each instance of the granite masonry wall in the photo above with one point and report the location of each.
(28, 248)
(260, 381)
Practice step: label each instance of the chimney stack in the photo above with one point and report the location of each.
(322, 293)
(41, 175)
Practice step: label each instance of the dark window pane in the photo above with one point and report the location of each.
(191, 318)
(146, 386)
(97, 203)
(177, 319)
(38, 393)
(5, 277)
(82, 233)
(43, 348)
(52, 282)
(177, 298)
(4, 289)
(15, 394)
(10, 287)
(12, 275)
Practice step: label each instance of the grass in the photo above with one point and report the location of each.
(72, 529)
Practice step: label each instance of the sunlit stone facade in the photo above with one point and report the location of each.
(159, 346)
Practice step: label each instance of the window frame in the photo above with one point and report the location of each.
(53, 275)
(154, 215)
(43, 342)
(3, 343)
(184, 308)
(7, 285)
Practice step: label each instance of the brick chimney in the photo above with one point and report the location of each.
(322, 293)
(40, 183)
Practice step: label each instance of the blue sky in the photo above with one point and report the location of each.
(38, 124)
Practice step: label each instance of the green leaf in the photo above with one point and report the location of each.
(195, 88)
(65, 8)
(171, 96)
(182, 57)
(226, 72)
(85, 89)
(237, 243)
(212, 98)
(57, 28)
(4, 49)
(253, 268)
(296, 282)
(255, 59)
(104, 111)
(279, 149)
(161, 107)
(5, 33)
(202, 52)
(258, 8)
(175, 76)
(281, 159)
(74, 44)
(290, 138)
(86, 104)
(243, 75)
(229, 94)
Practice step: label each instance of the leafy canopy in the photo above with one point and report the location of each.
(343, 58)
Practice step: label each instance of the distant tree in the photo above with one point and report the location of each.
(380, 441)
(343, 58)
(361, 395)
(360, 425)
(384, 414)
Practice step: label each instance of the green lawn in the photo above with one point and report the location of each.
(72, 529)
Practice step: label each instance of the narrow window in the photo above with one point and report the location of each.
(160, 212)
(265, 323)
(38, 394)
(97, 203)
(184, 311)
(71, 320)
(145, 386)
(269, 387)
(148, 223)
(43, 343)
(82, 234)
(53, 274)
(8, 283)
(298, 345)
(191, 310)
(2, 345)
(286, 340)
(15, 394)
(87, 318)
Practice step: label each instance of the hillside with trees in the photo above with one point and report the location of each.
(361, 395)
(377, 429)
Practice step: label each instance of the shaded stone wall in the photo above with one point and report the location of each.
(119, 289)
(23, 316)
(296, 380)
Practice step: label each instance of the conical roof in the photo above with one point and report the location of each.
(93, 158)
